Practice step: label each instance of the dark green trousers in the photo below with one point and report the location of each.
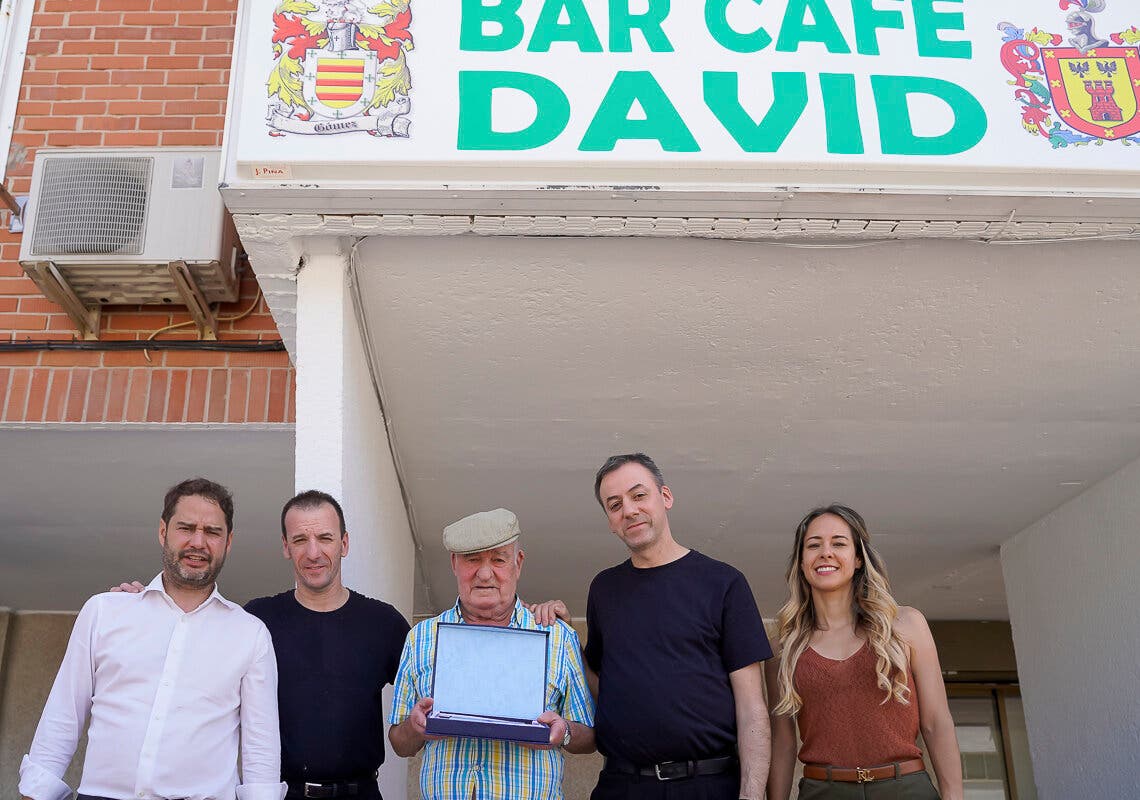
(916, 786)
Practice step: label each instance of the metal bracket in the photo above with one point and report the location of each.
(56, 288)
(14, 205)
(16, 220)
(195, 300)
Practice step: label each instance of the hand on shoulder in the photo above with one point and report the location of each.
(549, 612)
(134, 587)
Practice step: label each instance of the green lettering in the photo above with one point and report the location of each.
(790, 97)
(796, 29)
(577, 28)
(662, 122)
(623, 21)
(896, 128)
(473, 19)
(927, 24)
(476, 126)
(841, 114)
(868, 20)
(716, 20)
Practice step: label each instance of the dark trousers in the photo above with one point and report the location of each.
(916, 786)
(618, 786)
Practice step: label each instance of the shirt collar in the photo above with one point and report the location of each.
(519, 617)
(156, 586)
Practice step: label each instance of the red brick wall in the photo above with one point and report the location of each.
(126, 73)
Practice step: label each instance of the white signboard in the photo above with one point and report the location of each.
(995, 87)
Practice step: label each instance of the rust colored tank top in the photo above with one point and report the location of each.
(843, 722)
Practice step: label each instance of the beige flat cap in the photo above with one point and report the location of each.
(483, 531)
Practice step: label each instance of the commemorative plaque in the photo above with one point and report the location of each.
(489, 683)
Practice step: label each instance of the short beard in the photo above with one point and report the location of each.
(173, 570)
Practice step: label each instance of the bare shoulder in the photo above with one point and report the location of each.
(911, 625)
(911, 616)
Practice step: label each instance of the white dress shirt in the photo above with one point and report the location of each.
(167, 693)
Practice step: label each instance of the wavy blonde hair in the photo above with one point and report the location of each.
(874, 608)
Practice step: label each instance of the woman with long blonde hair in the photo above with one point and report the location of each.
(857, 674)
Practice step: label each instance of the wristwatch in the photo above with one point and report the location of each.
(566, 738)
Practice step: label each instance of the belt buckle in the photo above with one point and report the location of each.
(688, 773)
(309, 786)
(864, 775)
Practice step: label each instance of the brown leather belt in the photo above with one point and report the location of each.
(819, 772)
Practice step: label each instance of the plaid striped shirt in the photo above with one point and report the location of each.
(488, 769)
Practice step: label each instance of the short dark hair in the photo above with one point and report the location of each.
(615, 462)
(200, 487)
(309, 500)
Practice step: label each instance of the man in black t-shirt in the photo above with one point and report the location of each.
(336, 650)
(674, 644)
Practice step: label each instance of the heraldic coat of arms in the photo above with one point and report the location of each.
(340, 66)
(1077, 89)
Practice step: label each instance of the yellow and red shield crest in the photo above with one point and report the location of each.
(1095, 92)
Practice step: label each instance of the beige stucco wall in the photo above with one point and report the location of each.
(1073, 600)
(32, 650)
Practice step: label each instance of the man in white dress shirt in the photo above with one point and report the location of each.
(169, 679)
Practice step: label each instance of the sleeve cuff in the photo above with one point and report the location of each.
(261, 791)
(40, 784)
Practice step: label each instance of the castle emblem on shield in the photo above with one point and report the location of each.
(340, 66)
(1077, 89)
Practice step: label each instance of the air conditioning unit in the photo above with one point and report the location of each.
(129, 227)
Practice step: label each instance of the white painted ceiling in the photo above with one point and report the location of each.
(953, 392)
(79, 506)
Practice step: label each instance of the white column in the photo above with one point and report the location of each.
(1073, 590)
(342, 446)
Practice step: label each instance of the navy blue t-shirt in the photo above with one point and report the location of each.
(663, 641)
(331, 669)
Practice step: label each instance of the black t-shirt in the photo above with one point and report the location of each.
(663, 641)
(331, 669)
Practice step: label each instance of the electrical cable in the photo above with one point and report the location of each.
(234, 318)
(33, 345)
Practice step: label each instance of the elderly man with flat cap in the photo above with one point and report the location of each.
(487, 561)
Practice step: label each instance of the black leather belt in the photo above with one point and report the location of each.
(674, 770)
(326, 790)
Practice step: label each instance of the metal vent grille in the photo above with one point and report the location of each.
(95, 204)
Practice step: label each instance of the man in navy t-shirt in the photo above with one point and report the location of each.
(336, 650)
(676, 641)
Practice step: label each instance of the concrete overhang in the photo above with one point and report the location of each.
(953, 391)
